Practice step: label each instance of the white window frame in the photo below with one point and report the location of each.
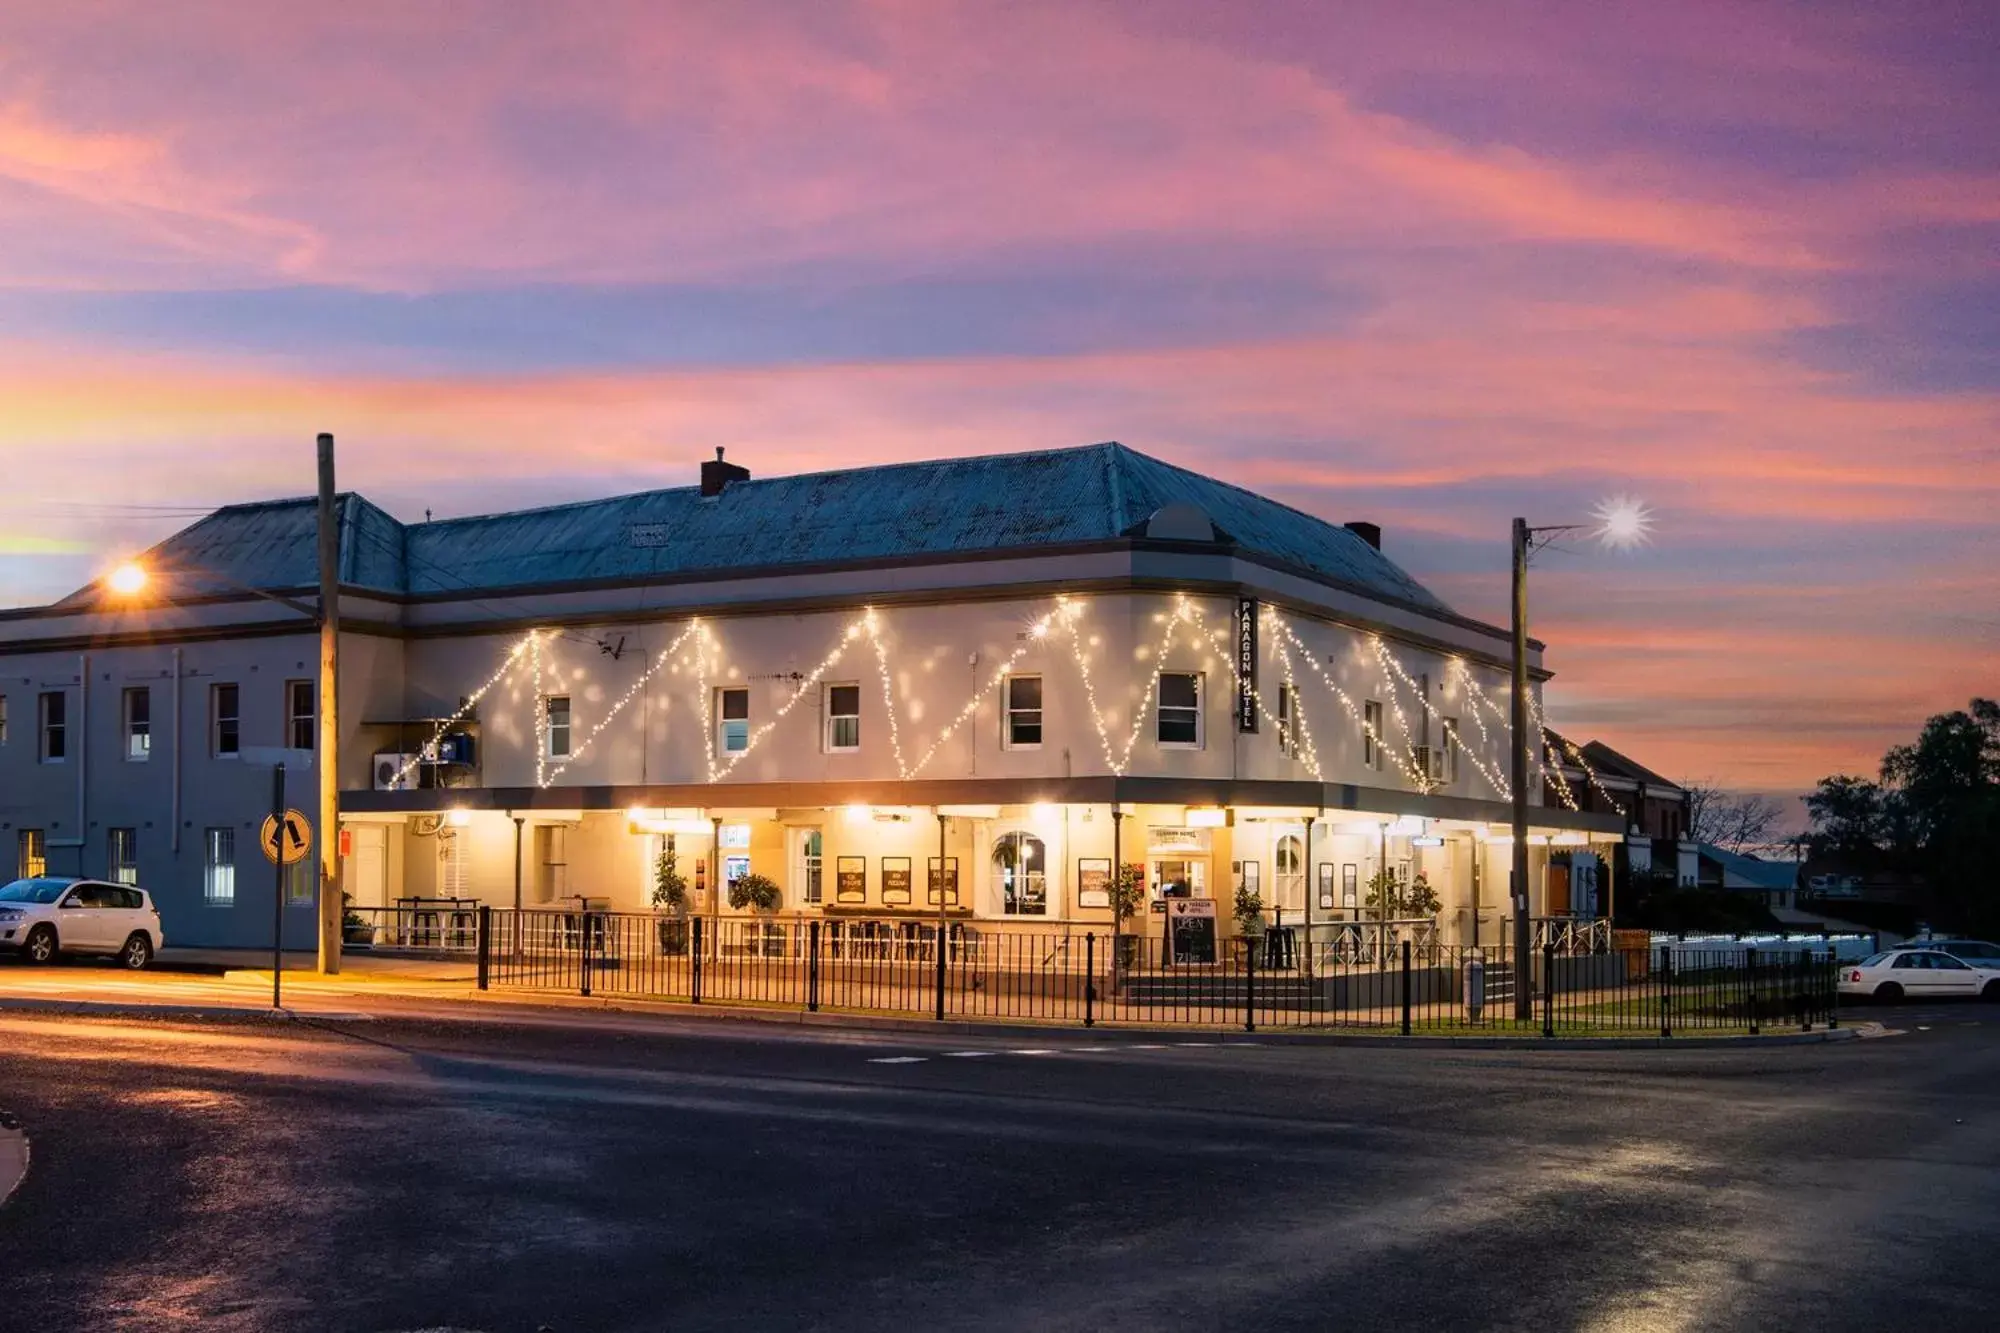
(1454, 741)
(1289, 886)
(810, 866)
(138, 742)
(1161, 707)
(294, 689)
(1371, 734)
(218, 867)
(1010, 712)
(52, 729)
(1288, 723)
(216, 719)
(1031, 883)
(122, 869)
(550, 727)
(831, 731)
(728, 728)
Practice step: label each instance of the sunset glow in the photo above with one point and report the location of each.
(1737, 260)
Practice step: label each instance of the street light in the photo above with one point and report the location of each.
(1621, 523)
(131, 578)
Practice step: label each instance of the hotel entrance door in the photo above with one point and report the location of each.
(1180, 877)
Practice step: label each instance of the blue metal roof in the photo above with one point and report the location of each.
(1003, 502)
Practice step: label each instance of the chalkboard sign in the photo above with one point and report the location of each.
(1190, 930)
(896, 880)
(850, 880)
(950, 890)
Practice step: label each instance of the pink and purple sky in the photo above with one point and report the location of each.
(1431, 265)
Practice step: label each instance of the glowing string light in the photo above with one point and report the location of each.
(1492, 776)
(577, 750)
(465, 708)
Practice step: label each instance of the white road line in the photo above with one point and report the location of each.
(1189, 1044)
(1092, 1050)
(899, 1060)
(1145, 1046)
(1032, 1051)
(968, 1055)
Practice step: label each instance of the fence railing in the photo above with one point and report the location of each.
(413, 925)
(964, 970)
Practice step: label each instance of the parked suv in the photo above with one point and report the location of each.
(46, 916)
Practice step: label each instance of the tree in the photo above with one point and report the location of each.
(1734, 822)
(1846, 817)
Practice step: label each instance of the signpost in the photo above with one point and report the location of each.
(286, 838)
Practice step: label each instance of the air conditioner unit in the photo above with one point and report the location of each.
(396, 772)
(1428, 761)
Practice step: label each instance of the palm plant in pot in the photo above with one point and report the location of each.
(670, 900)
(1128, 894)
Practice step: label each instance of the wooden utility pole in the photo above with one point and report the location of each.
(330, 900)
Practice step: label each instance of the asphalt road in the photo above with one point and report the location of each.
(403, 1174)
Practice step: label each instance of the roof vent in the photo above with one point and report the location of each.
(716, 475)
(1367, 532)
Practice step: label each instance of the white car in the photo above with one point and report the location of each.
(1918, 974)
(43, 917)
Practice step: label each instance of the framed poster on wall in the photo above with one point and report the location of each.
(949, 890)
(1326, 886)
(896, 881)
(1350, 886)
(850, 879)
(1093, 882)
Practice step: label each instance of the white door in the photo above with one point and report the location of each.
(84, 920)
(1949, 976)
(368, 870)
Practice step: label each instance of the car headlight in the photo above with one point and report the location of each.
(11, 914)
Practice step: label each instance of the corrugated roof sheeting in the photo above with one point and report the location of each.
(944, 507)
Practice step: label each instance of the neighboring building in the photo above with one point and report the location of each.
(1653, 811)
(1775, 883)
(983, 681)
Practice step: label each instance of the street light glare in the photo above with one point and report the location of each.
(127, 579)
(1622, 522)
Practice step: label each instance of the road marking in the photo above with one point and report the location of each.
(1092, 1050)
(1186, 1044)
(1147, 1046)
(1032, 1050)
(899, 1060)
(968, 1055)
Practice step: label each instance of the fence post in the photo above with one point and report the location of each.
(1549, 990)
(1249, 985)
(1756, 997)
(1089, 978)
(584, 946)
(940, 967)
(1666, 990)
(812, 967)
(694, 962)
(1406, 988)
(1797, 972)
(1829, 989)
(485, 943)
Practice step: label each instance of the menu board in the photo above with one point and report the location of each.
(850, 879)
(1093, 883)
(1190, 930)
(949, 891)
(896, 880)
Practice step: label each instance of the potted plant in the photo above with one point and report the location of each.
(1385, 895)
(356, 930)
(1249, 914)
(1128, 895)
(1420, 899)
(670, 900)
(754, 891)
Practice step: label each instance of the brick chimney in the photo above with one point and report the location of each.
(1367, 532)
(716, 475)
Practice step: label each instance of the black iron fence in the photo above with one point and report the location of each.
(962, 970)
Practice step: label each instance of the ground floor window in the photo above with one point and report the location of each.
(218, 880)
(34, 858)
(811, 867)
(1289, 867)
(1021, 862)
(123, 860)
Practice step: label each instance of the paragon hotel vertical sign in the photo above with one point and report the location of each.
(1246, 664)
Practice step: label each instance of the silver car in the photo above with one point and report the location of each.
(47, 916)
